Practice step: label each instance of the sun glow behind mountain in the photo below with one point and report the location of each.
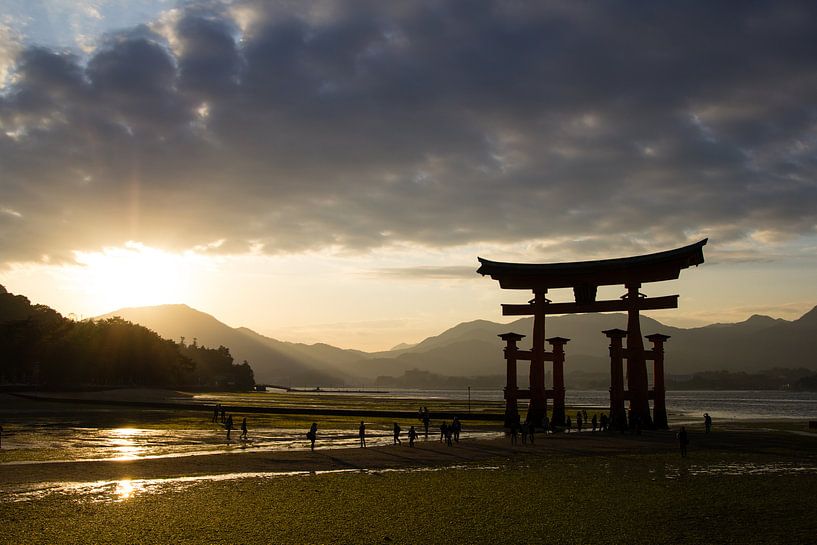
(133, 275)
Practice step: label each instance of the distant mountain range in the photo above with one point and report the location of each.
(473, 349)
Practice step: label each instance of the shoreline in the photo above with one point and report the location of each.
(429, 453)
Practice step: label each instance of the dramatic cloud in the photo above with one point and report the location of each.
(354, 126)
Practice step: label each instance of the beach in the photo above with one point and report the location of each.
(746, 482)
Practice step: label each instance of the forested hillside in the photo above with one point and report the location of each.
(39, 346)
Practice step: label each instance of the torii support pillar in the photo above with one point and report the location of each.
(618, 418)
(558, 356)
(511, 388)
(659, 388)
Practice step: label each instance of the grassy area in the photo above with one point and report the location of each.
(649, 498)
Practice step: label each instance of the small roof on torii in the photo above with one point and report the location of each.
(640, 269)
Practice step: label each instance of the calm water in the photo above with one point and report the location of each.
(744, 404)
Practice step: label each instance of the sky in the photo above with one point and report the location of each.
(330, 170)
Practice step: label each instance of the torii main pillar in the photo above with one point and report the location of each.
(637, 383)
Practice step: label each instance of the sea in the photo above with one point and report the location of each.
(723, 404)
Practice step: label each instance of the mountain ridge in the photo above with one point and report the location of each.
(472, 348)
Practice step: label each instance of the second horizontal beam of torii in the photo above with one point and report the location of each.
(615, 305)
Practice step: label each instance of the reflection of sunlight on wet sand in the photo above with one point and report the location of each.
(124, 489)
(124, 443)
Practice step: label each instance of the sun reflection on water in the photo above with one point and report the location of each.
(123, 442)
(124, 489)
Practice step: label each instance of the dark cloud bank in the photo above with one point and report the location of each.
(357, 126)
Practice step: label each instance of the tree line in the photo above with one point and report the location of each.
(39, 346)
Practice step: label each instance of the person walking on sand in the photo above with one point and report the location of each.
(223, 413)
(568, 424)
(545, 424)
(426, 421)
(361, 432)
(456, 428)
(707, 422)
(683, 441)
(312, 434)
(215, 413)
(579, 421)
(412, 436)
(244, 429)
(229, 425)
(595, 422)
(443, 431)
(397, 440)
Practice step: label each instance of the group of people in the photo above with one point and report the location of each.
(527, 428)
(450, 433)
(220, 413)
(683, 436)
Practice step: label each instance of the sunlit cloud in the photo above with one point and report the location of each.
(287, 128)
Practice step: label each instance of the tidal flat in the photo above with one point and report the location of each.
(746, 482)
(532, 497)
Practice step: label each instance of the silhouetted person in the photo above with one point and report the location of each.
(412, 436)
(426, 420)
(524, 429)
(707, 422)
(456, 428)
(244, 428)
(229, 425)
(443, 431)
(579, 421)
(584, 415)
(604, 422)
(683, 441)
(594, 422)
(361, 432)
(223, 414)
(312, 434)
(514, 433)
(545, 424)
(215, 412)
(568, 424)
(449, 431)
(397, 440)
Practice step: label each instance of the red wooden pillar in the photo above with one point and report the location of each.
(538, 399)
(558, 344)
(511, 388)
(637, 383)
(659, 387)
(618, 418)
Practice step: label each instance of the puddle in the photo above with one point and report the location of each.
(737, 469)
(125, 489)
(77, 444)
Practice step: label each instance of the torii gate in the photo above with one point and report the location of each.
(585, 277)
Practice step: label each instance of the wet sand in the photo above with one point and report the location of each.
(431, 453)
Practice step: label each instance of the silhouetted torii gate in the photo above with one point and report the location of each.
(585, 277)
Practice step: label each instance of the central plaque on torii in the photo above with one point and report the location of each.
(584, 277)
